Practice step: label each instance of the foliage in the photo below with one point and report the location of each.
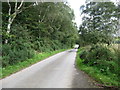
(98, 32)
(41, 28)
(99, 23)
(102, 58)
(103, 71)
(16, 53)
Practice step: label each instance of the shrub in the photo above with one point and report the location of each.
(102, 58)
(12, 54)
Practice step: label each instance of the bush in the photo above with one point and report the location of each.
(100, 57)
(16, 53)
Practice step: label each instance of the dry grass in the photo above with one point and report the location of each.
(116, 46)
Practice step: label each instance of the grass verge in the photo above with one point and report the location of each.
(21, 65)
(94, 72)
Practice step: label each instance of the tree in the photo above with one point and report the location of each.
(38, 28)
(18, 8)
(99, 22)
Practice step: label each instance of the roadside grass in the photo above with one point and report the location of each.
(94, 72)
(21, 65)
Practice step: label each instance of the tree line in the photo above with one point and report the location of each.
(29, 28)
(97, 34)
(100, 22)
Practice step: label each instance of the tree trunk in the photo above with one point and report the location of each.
(12, 17)
(10, 21)
(8, 30)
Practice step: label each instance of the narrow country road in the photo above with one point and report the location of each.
(57, 71)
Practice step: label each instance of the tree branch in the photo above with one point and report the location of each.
(15, 5)
(9, 8)
(24, 8)
(45, 13)
(20, 4)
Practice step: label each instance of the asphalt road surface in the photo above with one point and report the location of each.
(57, 71)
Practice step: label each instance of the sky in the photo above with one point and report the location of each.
(75, 5)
